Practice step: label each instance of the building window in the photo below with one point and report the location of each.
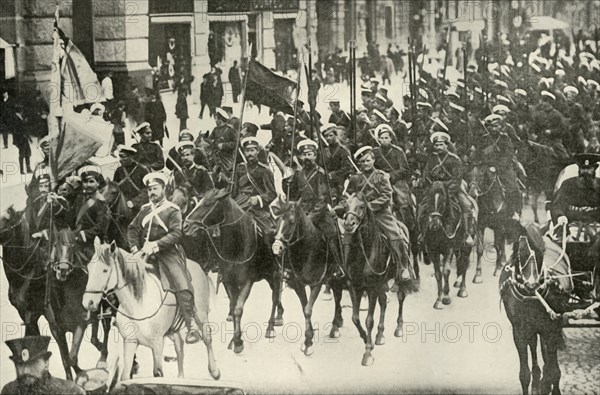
(83, 28)
(389, 22)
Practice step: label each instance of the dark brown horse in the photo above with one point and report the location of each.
(533, 305)
(242, 257)
(487, 188)
(312, 265)
(444, 237)
(370, 267)
(120, 214)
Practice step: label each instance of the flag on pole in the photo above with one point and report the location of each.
(267, 88)
(75, 137)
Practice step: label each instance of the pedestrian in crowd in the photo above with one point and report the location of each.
(107, 90)
(133, 105)
(38, 115)
(6, 114)
(22, 139)
(204, 95)
(156, 115)
(117, 118)
(181, 107)
(235, 79)
(32, 363)
(149, 153)
(387, 69)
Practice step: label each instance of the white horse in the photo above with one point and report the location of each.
(146, 313)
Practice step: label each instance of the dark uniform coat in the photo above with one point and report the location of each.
(255, 179)
(162, 224)
(336, 159)
(577, 201)
(150, 155)
(447, 169)
(311, 186)
(195, 179)
(393, 161)
(223, 157)
(340, 118)
(131, 183)
(156, 116)
(92, 217)
(26, 385)
(378, 192)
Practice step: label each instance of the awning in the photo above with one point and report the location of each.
(9, 60)
(546, 23)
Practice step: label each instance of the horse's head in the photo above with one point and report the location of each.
(357, 210)
(102, 275)
(289, 214)
(9, 221)
(437, 201)
(528, 254)
(492, 190)
(61, 258)
(115, 199)
(207, 213)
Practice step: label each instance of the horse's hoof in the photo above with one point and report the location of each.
(229, 318)
(238, 348)
(270, 334)
(462, 293)
(215, 373)
(334, 334)
(446, 300)
(457, 284)
(308, 351)
(380, 340)
(367, 360)
(278, 321)
(477, 279)
(170, 359)
(438, 305)
(230, 346)
(399, 332)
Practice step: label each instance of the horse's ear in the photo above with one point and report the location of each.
(113, 247)
(97, 241)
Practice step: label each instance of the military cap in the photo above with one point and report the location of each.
(307, 145)
(375, 80)
(559, 73)
(250, 141)
(383, 128)
(380, 115)
(452, 94)
(423, 104)
(500, 108)
(570, 89)
(29, 348)
(460, 82)
(126, 149)
(335, 101)
(140, 128)
(582, 80)
(440, 136)
(587, 161)
(228, 108)
(493, 119)
(593, 83)
(73, 181)
(535, 67)
(329, 127)
(156, 178)
(185, 132)
(90, 171)
(362, 152)
(503, 99)
(251, 128)
(222, 113)
(501, 83)
(423, 93)
(379, 96)
(44, 141)
(383, 89)
(521, 92)
(548, 94)
(97, 106)
(505, 70)
(183, 145)
(456, 107)
(366, 91)
(44, 178)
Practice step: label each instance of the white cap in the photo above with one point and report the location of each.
(185, 144)
(521, 92)
(307, 145)
(435, 136)
(581, 80)
(559, 72)
(141, 126)
(383, 128)
(222, 113)
(423, 93)
(571, 89)
(156, 178)
(381, 97)
(423, 104)
(250, 141)
(500, 108)
(329, 126)
(97, 106)
(492, 118)
(126, 148)
(440, 123)
(503, 98)
(548, 94)
(380, 115)
(362, 152)
(89, 170)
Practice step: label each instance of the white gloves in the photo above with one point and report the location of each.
(150, 248)
(562, 220)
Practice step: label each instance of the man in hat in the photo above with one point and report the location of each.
(547, 125)
(309, 183)
(156, 116)
(496, 151)
(130, 178)
(338, 116)
(336, 158)
(223, 142)
(254, 188)
(578, 198)
(149, 153)
(446, 167)
(92, 214)
(41, 168)
(157, 232)
(391, 159)
(32, 363)
(375, 185)
(575, 119)
(194, 178)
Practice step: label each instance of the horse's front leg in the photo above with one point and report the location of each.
(478, 272)
(368, 359)
(129, 349)
(177, 340)
(275, 285)
(238, 343)
(536, 372)
(308, 310)
(399, 332)
(61, 340)
(204, 325)
(550, 382)
(157, 356)
(462, 265)
(521, 341)
(104, 350)
(382, 298)
(499, 245)
(436, 259)
(446, 274)
(74, 352)
(338, 320)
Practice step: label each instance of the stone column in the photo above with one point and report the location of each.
(121, 41)
(200, 59)
(267, 53)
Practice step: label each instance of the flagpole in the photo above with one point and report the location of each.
(294, 124)
(239, 131)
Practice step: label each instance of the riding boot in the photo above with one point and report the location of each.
(185, 301)
(469, 229)
(401, 258)
(338, 262)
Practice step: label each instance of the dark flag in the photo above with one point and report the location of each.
(267, 88)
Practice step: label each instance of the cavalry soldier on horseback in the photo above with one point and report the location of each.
(498, 154)
(254, 188)
(130, 178)
(223, 143)
(578, 199)
(309, 183)
(375, 185)
(38, 212)
(149, 153)
(336, 158)
(157, 232)
(41, 168)
(445, 166)
(191, 176)
(338, 116)
(92, 215)
(548, 125)
(391, 159)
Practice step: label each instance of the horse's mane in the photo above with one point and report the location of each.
(233, 213)
(134, 273)
(119, 205)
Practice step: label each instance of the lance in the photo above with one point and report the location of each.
(239, 131)
(353, 98)
(467, 98)
(448, 38)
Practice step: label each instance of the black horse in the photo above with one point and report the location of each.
(242, 258)
(312, 265)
